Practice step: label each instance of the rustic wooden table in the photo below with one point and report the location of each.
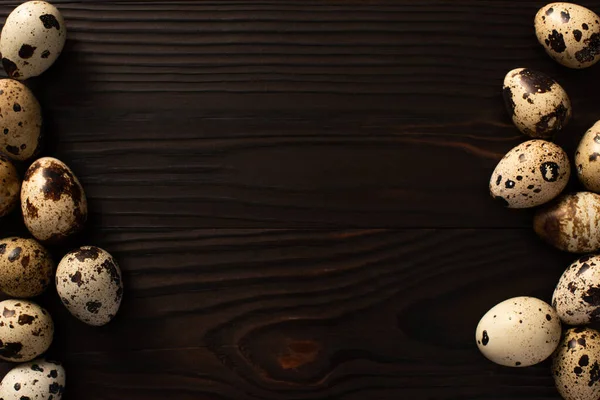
(297, 195)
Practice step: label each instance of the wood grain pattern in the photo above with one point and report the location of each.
(297, 194)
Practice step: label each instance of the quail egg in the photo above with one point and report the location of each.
(538, 105)
(26, 268)
(569, 33)
(519, 332)
(37, 379)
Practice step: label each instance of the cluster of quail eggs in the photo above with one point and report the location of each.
(54, 207)
(524, 331)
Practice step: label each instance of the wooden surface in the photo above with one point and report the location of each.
(296, 192)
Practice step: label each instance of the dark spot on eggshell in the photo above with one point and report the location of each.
(509, 184)
(498, 180)
(31, 210)
(594, 156)
(12, 150)
(16, 107)
(54, 388)
(584, 361)
(559, 117)
(50, 21)
(25, 261)
(26, 398)
(565, 17)
(25, 319)
(549, 11)
(578, 370)
(535, 82)
(592, 296)
(548, 317)
(11, 350)
(93, 306)
(15, 254)
(508, 100)
(2, 248)
(17, 386)
(37, 332)
(591, 50)
(76, 278)
(60, 181)
(11, 68)
(37, 368)
(581, 341)
(556, 41)
(584, 27)
(522, 158)
(577, 34)
(485, 338)
(550, 171)
(594, 374)
(26, 51)
(45, 54)
(53, 374)
(90, 253)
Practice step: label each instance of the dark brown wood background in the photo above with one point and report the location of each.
(296, 192)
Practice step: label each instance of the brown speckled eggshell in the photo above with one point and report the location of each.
(10, 186)
(587, 159)
(576, 364)
(571, 223)
(20, 121)
(26, 268)
(36, 380)
(53, 202)
(518, 332)
(26, 330)
(88, 281)
(537, 104)
(33, 37)
(530, 174)
(569, 33)
(577, 295)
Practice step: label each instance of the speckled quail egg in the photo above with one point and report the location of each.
(519, 332)
(10, 186)
(576, 364)
(26, 268)
(20, 121)
(587, 159)
(569, 33)
(537, 104)
(577, 295)
(530, 174)
(26, 330)
(33, 37)
(52, 200)
(88, 281)
(571, 223)
(36, 380)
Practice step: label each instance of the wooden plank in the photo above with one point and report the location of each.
(307, 314)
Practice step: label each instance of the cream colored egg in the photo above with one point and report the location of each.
(88, 281)
(569, 33)
(576, 364)
(577, 295)
(571, 223)
(26, 330)
(36, 380)
(587, 159)
(537, 104)
(530, 174)
(519, 332)
(20, 121)
(26, 268)
(10, 186)
(53, 202)
(33, 37)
